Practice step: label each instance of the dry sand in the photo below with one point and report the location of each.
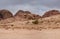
(29, 34)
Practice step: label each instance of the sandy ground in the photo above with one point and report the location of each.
(29, 34)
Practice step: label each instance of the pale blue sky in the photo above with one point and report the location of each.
(35, 6)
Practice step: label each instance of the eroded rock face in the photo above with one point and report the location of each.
(5, 14)
(26, 15)
(19, 13)
(51, 13)
(27, 12)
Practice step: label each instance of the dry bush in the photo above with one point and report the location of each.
(12, 25)
(35, 22)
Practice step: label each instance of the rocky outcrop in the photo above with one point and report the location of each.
(19, 13)
(51, 13)
(27, 12)
(26, 15)
(5, 14)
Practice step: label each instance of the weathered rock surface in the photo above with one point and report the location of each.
(51, 13)
(4, 14)
(26, 15)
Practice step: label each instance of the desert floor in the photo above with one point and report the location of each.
(29, 34)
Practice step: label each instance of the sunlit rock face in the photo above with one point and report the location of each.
(4, 14)
(51, 13)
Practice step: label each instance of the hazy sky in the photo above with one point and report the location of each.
(35, 6)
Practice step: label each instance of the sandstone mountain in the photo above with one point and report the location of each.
(44, 28)
(26, 15)
(51, 13)
(5, 14)
(53, 21)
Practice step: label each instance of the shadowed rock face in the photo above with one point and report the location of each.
(51, 13)
(5, 14)
(26, 15)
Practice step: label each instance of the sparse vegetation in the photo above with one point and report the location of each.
(35, 22)
(12, 25)
(31, 21)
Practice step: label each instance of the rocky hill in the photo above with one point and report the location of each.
(26, 15)
(51, 13)
(24, 19)
(4, 14)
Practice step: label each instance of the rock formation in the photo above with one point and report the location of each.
(51, 13)
(5, 14)
(26, 15)
(27, 12)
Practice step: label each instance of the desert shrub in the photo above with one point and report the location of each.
(35, 22)
(12, 25)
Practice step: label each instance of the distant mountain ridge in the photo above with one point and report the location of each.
(26, 15)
